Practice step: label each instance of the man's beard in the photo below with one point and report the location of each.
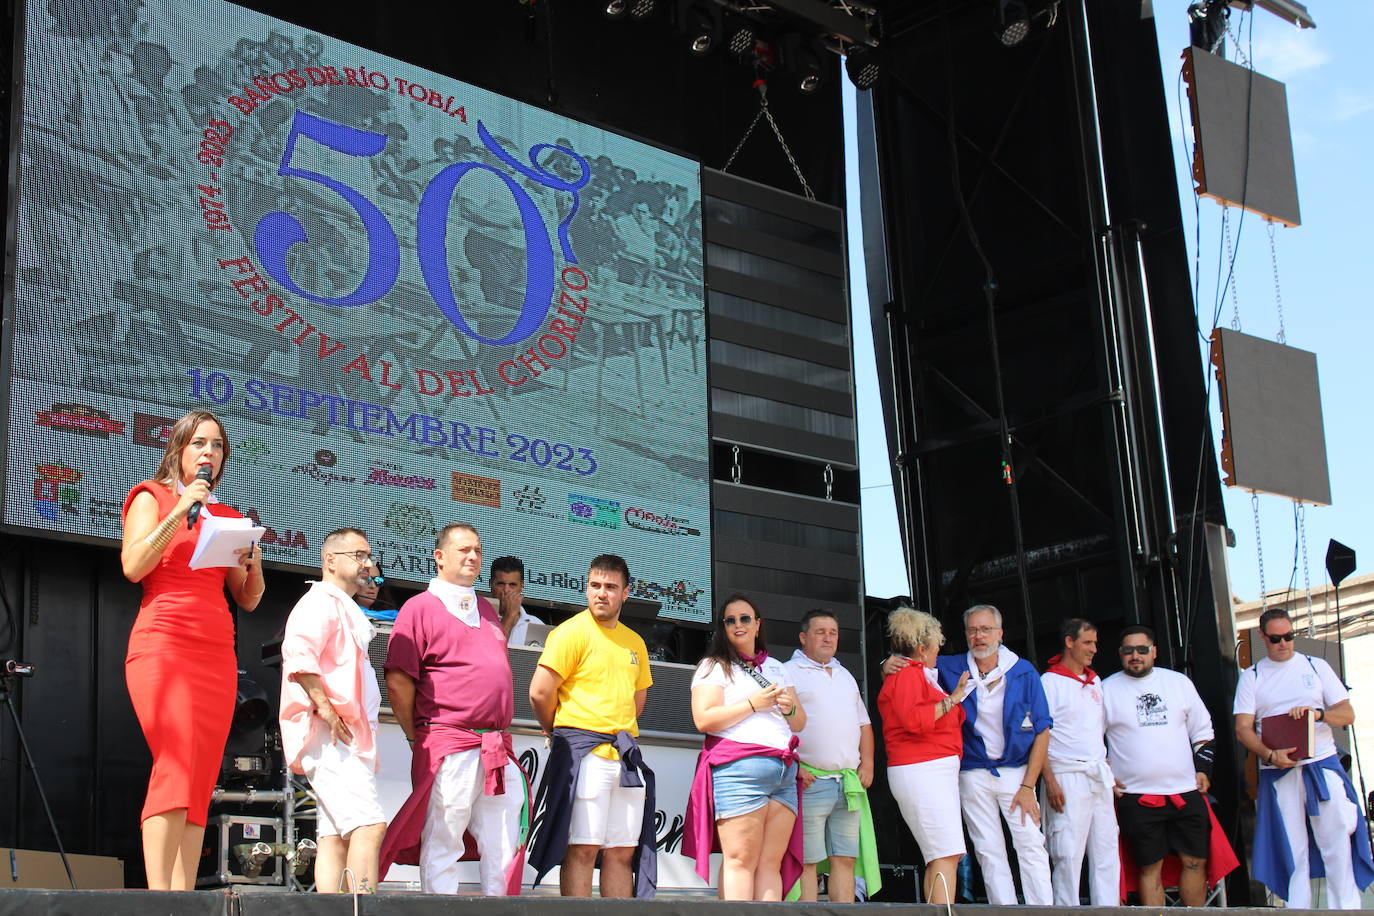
(989, 652)
(1145, 669)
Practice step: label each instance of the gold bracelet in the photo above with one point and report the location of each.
(162, 535)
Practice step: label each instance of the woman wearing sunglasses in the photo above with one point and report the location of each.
(745, 797)
(181, 669)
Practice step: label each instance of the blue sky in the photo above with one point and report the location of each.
(1326, 301)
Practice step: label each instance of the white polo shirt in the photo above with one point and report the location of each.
(835, 712)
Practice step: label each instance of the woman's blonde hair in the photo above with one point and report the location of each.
(910, 628)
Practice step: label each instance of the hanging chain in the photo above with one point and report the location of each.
(742, 140)
(1235, 46)
(1259, 550)
(828, 475)
(1306, 573)
(1231, 269)
(765, 112)
(1278, 293)
(736, 472)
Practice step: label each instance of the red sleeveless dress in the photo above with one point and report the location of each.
(181, 669)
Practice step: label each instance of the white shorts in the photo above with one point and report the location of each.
(605, 813)
(345, 789)
(927, 793)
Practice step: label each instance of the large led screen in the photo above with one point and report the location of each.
(411, 300)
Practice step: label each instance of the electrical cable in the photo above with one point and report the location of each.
(949, 896)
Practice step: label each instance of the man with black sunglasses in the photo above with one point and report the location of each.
(1307, 814)
(1159, 739)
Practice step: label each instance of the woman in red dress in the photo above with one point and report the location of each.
(181, 668)
(922, 732)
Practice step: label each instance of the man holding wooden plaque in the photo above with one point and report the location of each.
(1308, 821)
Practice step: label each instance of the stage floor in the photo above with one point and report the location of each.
(259, 903)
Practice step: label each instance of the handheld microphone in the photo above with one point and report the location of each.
(204, 473)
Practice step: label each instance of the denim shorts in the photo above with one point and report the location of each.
(829, 828)
(749, 783)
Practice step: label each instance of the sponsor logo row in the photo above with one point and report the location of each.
(56, 492)
(153, 431)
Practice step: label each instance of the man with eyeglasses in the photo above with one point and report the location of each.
(329, 706)
(1159, 738)
(450, 686)
(1307, 815)
(1006, 739)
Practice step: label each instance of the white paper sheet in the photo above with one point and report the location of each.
(220, 538)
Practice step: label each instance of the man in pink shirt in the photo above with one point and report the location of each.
(450, 686)
(329, 705)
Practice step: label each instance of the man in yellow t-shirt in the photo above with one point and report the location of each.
(587, 693)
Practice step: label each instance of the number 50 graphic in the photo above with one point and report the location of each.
(276, 232)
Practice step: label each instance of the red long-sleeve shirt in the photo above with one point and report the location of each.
(911, 732)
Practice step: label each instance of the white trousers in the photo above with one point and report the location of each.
(1336, 819)
(456, 804)
(987, 802)
(1086, 825)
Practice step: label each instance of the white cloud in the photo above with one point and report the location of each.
(1283, 51)
(1347, 104)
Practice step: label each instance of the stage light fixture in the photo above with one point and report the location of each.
(861, 63)
(641, 9)
(252, 708)
(741, 40)
(698, 22)
(616, 9)
(300, 857)
(804, 62)
(252, 857)
(1013, 22)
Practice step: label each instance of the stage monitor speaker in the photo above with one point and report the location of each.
(1242, 144)
(1272, 436)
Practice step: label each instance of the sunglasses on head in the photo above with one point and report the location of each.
(743, 620)
(1135, 650)
(1277, 638)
